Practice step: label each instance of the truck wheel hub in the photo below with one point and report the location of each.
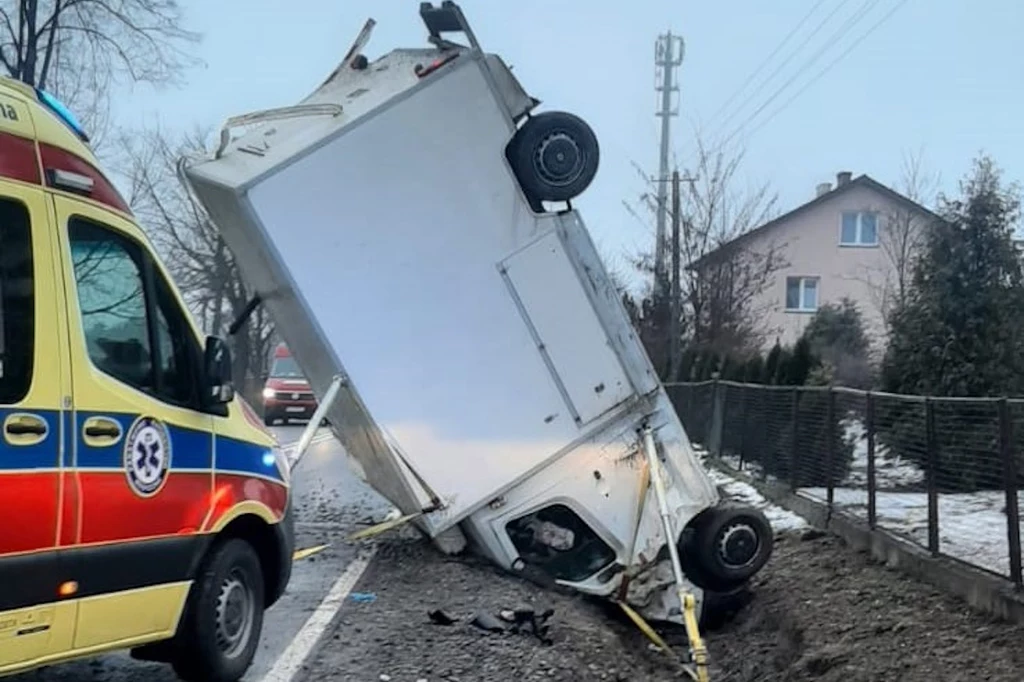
(739, 545)
(558, 159)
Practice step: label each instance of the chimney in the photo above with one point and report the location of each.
(843, 177)
(823, 188)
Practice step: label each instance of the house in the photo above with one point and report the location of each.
(852, 240)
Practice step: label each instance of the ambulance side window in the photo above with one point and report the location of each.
(134, 332)
(17, 302)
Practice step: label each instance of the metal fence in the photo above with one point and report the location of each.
(942, 473)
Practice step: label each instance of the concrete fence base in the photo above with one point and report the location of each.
(983, 591)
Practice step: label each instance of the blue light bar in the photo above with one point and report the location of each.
(63, 113)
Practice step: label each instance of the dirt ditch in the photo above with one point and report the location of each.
(820, 612)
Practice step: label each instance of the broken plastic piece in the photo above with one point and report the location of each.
(488, 623)
(363, 597)
(439, 617)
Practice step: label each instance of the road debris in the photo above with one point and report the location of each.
(820, 613)
(363, 597)
(439, 617)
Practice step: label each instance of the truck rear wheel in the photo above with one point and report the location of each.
(734, 543)
(224, 617)
(555, 156)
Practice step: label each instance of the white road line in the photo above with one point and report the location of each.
(290, 662)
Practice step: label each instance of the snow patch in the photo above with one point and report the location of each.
(781, 519)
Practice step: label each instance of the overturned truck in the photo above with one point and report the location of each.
(408, 228)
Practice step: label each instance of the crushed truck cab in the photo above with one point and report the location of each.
(145, 506)
(407, 227)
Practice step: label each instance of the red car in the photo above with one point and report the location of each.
(286, 393)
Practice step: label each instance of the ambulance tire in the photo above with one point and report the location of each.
(224, 617)
(555, 156)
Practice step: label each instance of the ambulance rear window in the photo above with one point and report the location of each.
(17, 304)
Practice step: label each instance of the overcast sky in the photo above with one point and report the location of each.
(942, 76)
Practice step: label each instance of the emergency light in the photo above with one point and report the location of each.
(63, 113)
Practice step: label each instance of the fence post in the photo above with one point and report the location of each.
(1010, 483)
(742, 423)
(872, 483)
(830, 448)
(932, 476)
(794, 455)
(717, 418)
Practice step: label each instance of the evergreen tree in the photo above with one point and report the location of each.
(959, 332)
(771, 364)
(800, 364)
(755, 370)
(837, 339)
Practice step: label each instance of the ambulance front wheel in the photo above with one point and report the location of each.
(555, 156)
(224, 617)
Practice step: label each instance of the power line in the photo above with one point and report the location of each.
(845, 28)
(769, 58)
(828, 67)
(785, 62)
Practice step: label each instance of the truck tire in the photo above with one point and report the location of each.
(224, 617)
(555, 156)
(733, 543)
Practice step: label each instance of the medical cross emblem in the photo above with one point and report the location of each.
(147, 456)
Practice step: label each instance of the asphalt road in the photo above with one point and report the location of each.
(330, 501)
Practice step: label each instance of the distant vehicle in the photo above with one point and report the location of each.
(286, 392)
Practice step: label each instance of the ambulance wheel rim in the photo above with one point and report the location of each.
(235, 614)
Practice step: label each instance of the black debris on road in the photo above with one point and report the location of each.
(457, 619)
(820, 612)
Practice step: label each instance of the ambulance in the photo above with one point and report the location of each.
(146, 507)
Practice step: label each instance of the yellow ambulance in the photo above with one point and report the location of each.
(145, 506)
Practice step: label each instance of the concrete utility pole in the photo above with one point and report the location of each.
(668, 55)
(675, 330)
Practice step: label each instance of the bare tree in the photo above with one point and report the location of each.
(723, 276)
(80, 49)
(192, 247)
(900, 236)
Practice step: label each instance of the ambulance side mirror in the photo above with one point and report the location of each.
(217, 364)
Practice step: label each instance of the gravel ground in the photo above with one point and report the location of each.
(820, 612)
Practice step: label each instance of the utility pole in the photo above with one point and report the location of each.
(675, 324)
(675, 327)
(668, 55)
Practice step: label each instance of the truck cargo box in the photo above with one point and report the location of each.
(399, 226)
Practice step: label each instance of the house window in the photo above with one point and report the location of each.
(801, 294)
(860, 228)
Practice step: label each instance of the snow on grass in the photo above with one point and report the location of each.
(891, 470)
(972, 526)
(780, 518)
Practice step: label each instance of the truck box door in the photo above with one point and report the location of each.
(568, 332)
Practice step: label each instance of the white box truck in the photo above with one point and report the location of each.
(408, 227)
